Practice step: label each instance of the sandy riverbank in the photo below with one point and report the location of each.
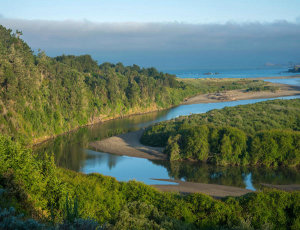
(290, 187)
(276, 77)
(193, 100)
(235, 95)
(215, 190)
(128, 144)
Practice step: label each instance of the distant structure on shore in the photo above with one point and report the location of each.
(210, 73)
(295, 69)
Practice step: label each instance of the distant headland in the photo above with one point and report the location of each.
(295, 69)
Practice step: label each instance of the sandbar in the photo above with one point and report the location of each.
(128, 144)
(236, 95)
(214, 190)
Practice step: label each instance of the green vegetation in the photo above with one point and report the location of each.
(212, 85)
(193, 171)
(265, 133)
(42, 96)
(64, 199)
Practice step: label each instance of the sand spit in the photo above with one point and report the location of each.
(235, 95)
(214, 190)
(128, 144)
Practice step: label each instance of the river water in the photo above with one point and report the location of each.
(72, 152)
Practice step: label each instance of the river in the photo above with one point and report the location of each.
(71, 151)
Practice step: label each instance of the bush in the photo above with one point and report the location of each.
(9, 220)
(32, 181)
(240, 135)
(276, 147)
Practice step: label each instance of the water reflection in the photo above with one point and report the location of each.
(234, 176)
(124, 168)
(70, 152)
(244, 177)
(69, 148)
(248, 181)
(128, 168)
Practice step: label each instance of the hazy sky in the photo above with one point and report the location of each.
(168, 34)
(188, 11)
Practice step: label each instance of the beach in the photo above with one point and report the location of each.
(235, 95)
(214, 190)
(128, 144)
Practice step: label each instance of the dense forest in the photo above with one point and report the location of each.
(265, 133)
(63, 199)
(42, 96)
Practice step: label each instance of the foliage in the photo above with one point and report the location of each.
(276, 147)
(32, 181)
(237, 136)
(212, 85)
(9, 220)
(99, 202)
(140, 215)
(42, 96)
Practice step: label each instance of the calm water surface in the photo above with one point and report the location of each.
(71, 151)
(290, 81)
(274, 71)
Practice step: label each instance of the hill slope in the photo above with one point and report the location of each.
(42, 96)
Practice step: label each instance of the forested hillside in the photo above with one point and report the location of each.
(265, 133)
(42, 96)
(63, 199)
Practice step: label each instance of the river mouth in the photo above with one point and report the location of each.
(72, 152)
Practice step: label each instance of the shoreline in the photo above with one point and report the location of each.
(237, 95)
(287, 188)
(214, 190)
(250, 78)
(192, 100)
(40, 141)
(128, 144)
(275, 77)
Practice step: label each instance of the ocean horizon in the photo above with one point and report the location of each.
(233, 72)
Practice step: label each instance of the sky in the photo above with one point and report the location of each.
(167, 34)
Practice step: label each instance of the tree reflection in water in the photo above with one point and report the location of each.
(232, 176)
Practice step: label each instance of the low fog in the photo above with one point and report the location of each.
(166, 45)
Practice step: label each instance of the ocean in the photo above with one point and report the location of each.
(233, 73)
